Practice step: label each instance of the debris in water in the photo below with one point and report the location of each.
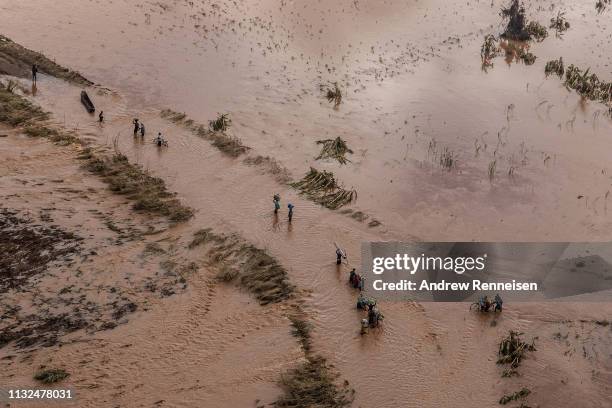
(489, 50)
(335, 149)
(512, 349)
(523, 393)
(322, 188)
(51, 376)
(555, 67)
(518, 28)
(559, 24)
(221, 124)
(332, 93)
(601, 5)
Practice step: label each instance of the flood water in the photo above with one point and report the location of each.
(414, 88)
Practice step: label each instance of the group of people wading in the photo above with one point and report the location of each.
(375, 317)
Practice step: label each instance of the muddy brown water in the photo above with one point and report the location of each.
(413, 87)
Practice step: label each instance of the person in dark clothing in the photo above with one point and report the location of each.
(339, 256)
(136, 126)
(276, 200)
(159, 140)
(34, 72)
(372, 317)
(352, 277)
(290, 206)
(101, 116)
(142, 130)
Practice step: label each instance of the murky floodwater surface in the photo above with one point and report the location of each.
(413, 90)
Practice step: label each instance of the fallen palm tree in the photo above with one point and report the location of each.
(254, 268)
(334, 149)
(322, 188)
(512, 349)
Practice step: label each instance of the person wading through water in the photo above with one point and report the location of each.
(101, 116)
(142, 130)
(339, 256)
(136, 126)
(276, 200)
(159, 140)
(34, 72)
(290, 215)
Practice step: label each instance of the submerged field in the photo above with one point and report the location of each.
(177, 286)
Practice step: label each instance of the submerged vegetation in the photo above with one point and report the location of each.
(518, 28)
(516, 50)
(314, 382)
(221, 124)
(322, 188)
(601, 5)
(332, 93)
(51, 376)
(489, 50)
(555, 67)
(517, 34)
(255, 269)
(149, 193)
(227, 144)
(587, 84)
(334, 149)
(523, 393)
(15, 110)
(512, 349)
(559, 23)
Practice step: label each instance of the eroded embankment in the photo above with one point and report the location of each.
(17, 61)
